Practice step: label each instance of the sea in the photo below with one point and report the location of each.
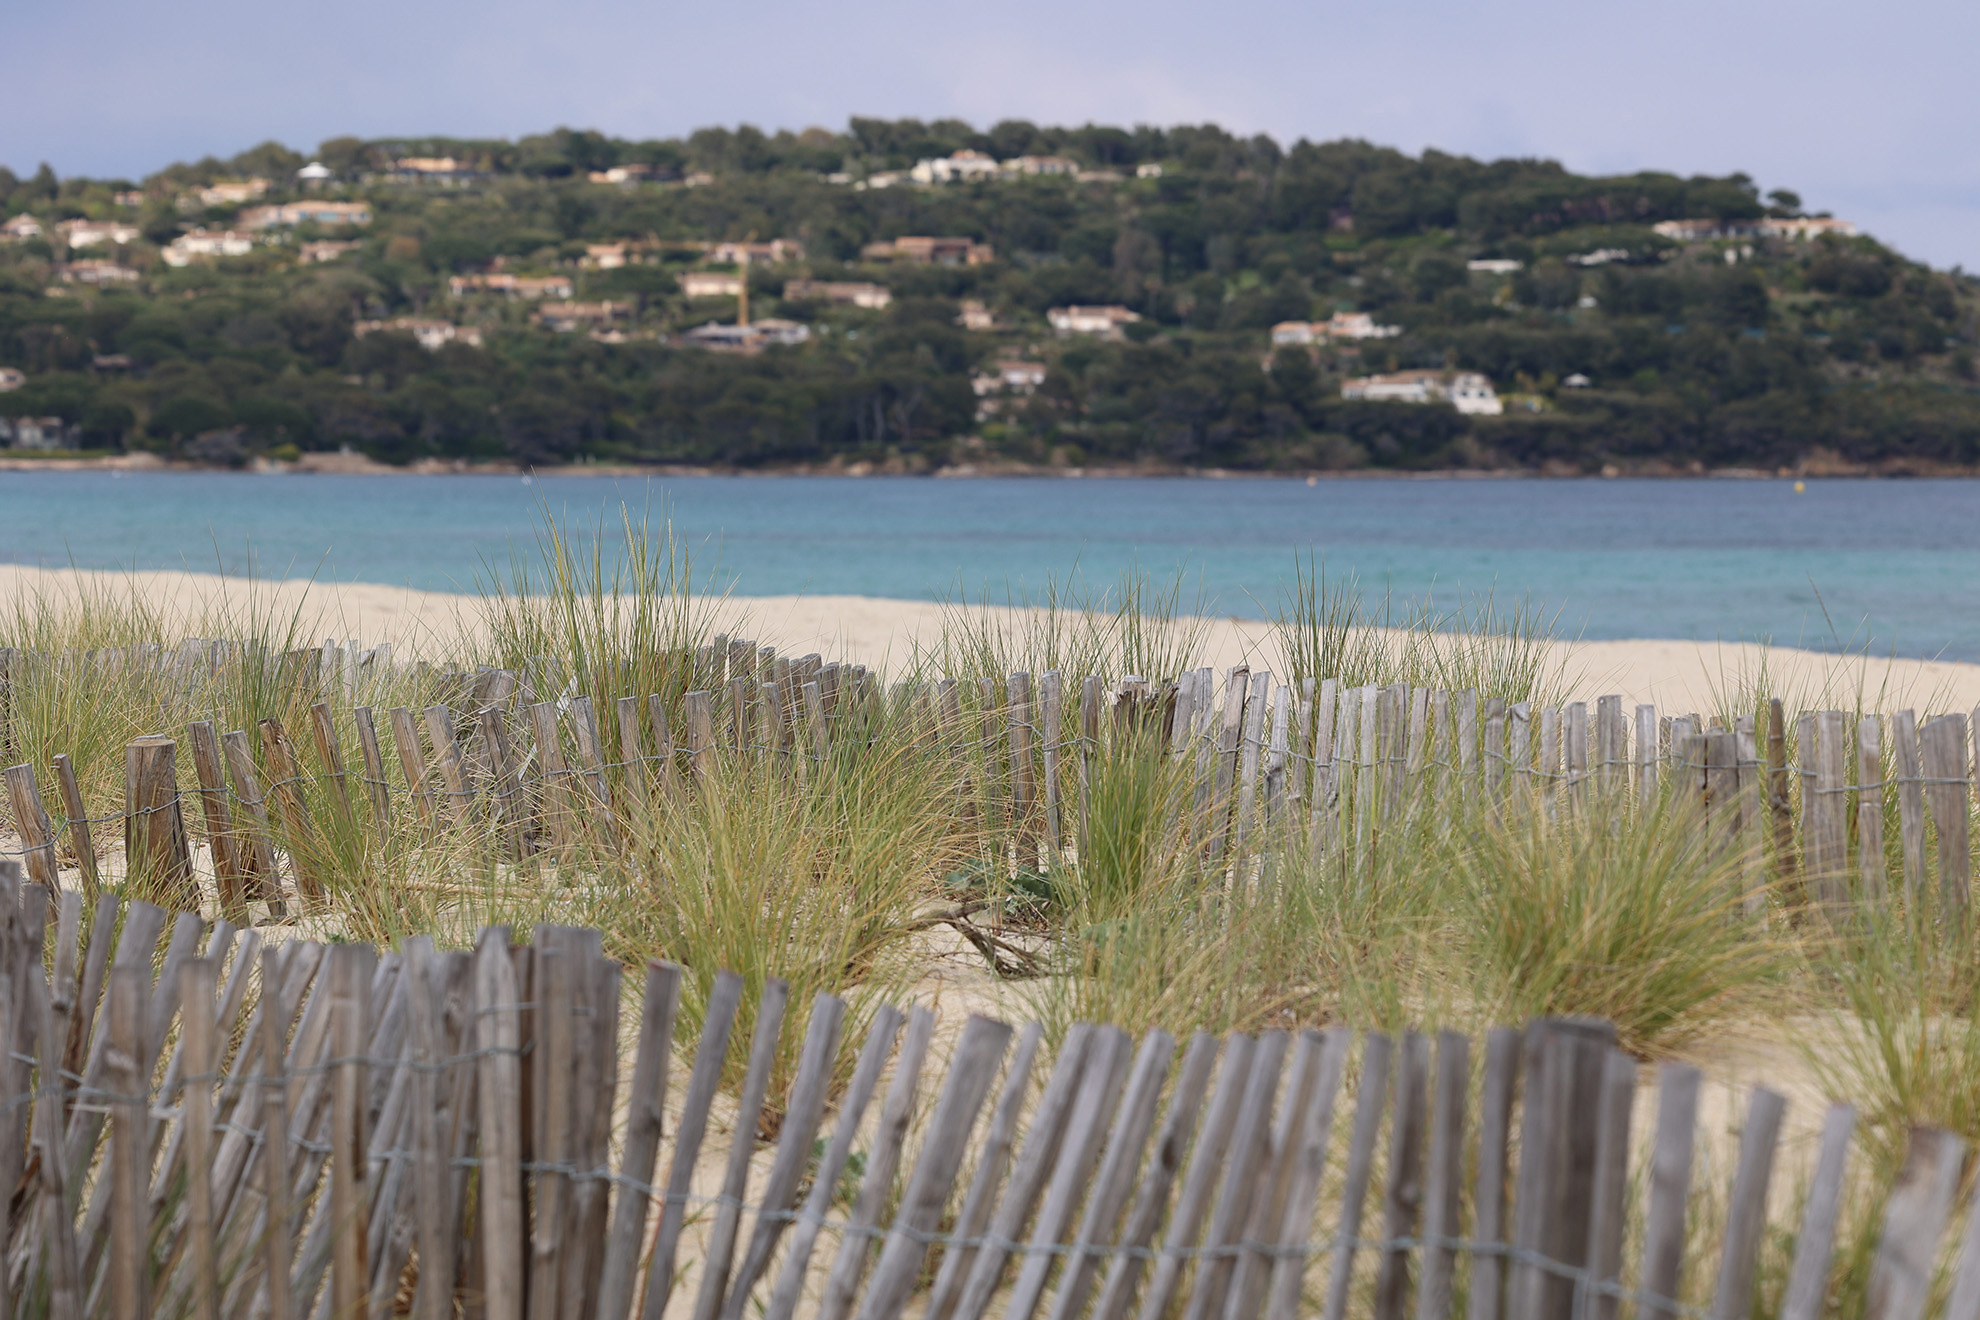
(1888, 567)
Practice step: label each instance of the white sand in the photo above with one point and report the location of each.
(1676, 675)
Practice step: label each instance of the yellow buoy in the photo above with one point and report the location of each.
(1801, 488)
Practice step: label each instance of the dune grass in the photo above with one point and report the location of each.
(829, 871)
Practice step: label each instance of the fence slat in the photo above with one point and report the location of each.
(553, 992)
(447, 754)
(1151, 1197)
(1125, 1143)
(1607, 1220)
(718, 1249)
(498, 1038)
(1249, 1147)
(1403, 1198)
(646, 1102)
(1746, 1214)
(1944, 745)
(1488, 1267)
(1105, 1073)
(298, 832)
(825, 1179)
(36, 830)
(198, 985)
(1308, 1158)
(991, 1165)
(1369, 1102)
(896, 1112)
(1914, 1218)
(1444, 1184)
(1272, 1186)
(130, 1141)
(1662, 1268)
(717, 1021)
(1910, 767)
(1814, 1246)
(971, 1072)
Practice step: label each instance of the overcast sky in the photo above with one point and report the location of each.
(1870, 111)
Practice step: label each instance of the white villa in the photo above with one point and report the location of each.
(1090, 320)
(190, 247)
(1467, 391)
(432, 335)
(1341, 325)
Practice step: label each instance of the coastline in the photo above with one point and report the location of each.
(1677, 675)
(359, 465)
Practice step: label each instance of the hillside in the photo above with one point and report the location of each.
(550, 300)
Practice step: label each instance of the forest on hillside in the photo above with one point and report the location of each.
(217, 312)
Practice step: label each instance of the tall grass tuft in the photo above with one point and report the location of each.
(612, 616)
(1326, 630)
(1628, 917)
(1139, 626)
(1905, 1046)
(814, 877)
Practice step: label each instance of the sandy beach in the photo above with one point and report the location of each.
(1675, 675)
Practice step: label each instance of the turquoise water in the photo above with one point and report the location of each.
(1896, 564)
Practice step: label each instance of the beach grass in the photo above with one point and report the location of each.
(831, 871)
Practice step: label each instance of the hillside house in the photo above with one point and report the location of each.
(711, 283)
(565, 317)
(20, 227)
(1789, 227)
(974, 314)
(1148, 170)
(324, 249)
(845, 293)
(313, 175)
(963, 166)
(433, 169)
(775, 252)
(206, 244)
(1030, 167)
(923, 250)
(1293, 334)
(433, 335)
(11, 378)
(605, 256)
(1012, 374)
(626, 174)
(1805, 227)
(1467, 391)
(1341, 325)
(751, 338)
(514, 286)
(97, 272)
(1007, 380)
(95, 233)
(38, 433)
(1357, 325)
(1494, 266)
(1104, 322)
(233, 192)
(288, 215)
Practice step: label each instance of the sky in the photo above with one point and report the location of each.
(1866, 111)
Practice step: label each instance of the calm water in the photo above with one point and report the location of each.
(1896, 564)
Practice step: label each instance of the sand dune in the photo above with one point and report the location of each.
(1676, 675)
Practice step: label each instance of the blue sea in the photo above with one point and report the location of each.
(1892, 566)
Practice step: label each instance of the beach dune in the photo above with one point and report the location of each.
(1675, 675)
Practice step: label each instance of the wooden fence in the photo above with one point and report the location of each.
(1316, 767)
(454, 1137)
